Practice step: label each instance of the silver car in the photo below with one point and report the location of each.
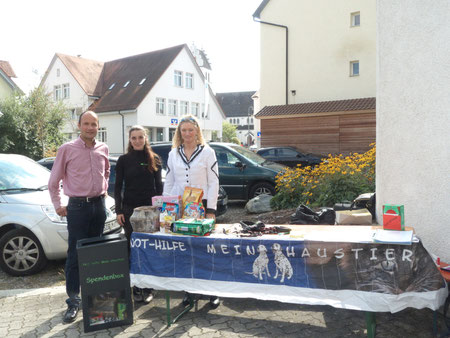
(31, 233)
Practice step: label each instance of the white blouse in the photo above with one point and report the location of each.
(201, 171)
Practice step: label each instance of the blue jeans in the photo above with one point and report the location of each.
(84, 220)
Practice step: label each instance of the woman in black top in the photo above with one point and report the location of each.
(139, 172)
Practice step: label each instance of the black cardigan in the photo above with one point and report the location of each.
(140, 183)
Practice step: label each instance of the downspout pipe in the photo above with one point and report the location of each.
(287, 48)
(123, 132)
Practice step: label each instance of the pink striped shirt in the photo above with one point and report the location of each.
(84, 171)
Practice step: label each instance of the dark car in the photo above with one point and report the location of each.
(222, 201)
(48, 163)
(289, 156)
(242, 173)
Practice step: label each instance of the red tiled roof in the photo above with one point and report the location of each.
(86, 72)
(319, 107)
(7, 69)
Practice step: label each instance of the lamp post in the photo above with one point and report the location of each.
(249, 113)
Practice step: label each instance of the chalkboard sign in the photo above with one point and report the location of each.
(105, 282)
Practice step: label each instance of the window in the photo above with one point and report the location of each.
(159, 134)
(173, 107)
(195, 107)
(126, 84)
(354, 68)
(355, 19)
(184, 107)
(58, 72)
(57, 92)
(189, 80)
(286, 152)
(101, 135)
(178, 78)
(160, 106)
(73, 114)
(205, 114)
(142, 81)
(66, 91)
(112, 86)
(171, 133)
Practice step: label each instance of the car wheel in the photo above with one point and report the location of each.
(21, 254)
(261, 189)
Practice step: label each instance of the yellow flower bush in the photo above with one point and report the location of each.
(337, 178)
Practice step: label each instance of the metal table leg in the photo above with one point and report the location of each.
(192, 302)
(371, 324)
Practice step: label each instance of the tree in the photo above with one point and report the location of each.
(31, 125)
(228, 132)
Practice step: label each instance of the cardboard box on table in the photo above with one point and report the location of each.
(105, 282)
(354, 217)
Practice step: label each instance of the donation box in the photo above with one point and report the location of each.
(105, 282)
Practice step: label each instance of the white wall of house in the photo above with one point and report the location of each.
(322, 43)
(166, 89)
(77, 98)
(116, 135)
(413, 116)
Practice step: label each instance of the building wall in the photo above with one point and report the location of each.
(77, 99)
(321, 46)
(117, 139)
(5, 89)
(413, 116)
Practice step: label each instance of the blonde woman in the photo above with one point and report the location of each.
(192, 163)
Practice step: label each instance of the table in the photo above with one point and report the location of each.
(315, 265)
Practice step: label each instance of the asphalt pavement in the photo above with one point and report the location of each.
(39, 313)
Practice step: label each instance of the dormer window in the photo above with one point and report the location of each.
(112, 86)
(142, 81)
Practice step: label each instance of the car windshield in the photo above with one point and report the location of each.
(22, 173)
(248, 154)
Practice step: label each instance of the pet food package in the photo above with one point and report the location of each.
(194, 210)
(393, 217)
(192, 226)
(168, 215)
(353, 217)
(193, 195)
(145, 219)
(158, 201)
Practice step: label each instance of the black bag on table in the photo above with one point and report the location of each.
(304, 215)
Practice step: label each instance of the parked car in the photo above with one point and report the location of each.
(222, 201)
(289, 156)
(242, 173)
(31, 233)
(48, 163)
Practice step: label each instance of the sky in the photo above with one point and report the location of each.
(104, 30)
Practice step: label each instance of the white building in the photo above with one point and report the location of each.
(152, 89)
(316, 57)
(413, 117)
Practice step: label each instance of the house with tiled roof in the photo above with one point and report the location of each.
(7, 85)
(318, 82)
(238, 108)
(152, 89)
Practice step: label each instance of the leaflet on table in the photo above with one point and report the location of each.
(393, 236)
(355, 235)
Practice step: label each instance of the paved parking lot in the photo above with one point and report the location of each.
(38, 313)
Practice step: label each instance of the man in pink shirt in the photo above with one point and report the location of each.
(83, 167)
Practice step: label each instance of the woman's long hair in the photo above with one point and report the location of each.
(153, 158)
(178, 140)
